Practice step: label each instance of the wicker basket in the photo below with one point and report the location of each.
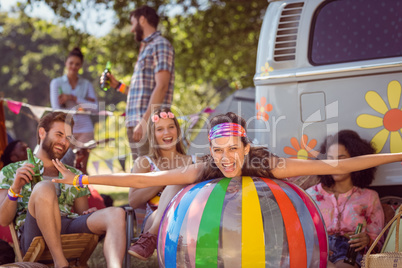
(386, 259)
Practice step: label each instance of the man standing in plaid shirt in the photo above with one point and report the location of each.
(152, 81)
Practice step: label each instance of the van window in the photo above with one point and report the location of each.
(354, 30)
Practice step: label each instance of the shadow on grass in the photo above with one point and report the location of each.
(97, 259)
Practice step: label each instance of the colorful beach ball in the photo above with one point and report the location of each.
(242, 222)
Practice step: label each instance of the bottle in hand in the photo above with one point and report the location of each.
(106, 82)
(352, 253)
(36, 176)
(60, 90)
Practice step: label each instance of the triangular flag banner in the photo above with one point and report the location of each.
(96, 166)
(109, 163)
(194, 120)
(14, 106)
(38, 111)
(122, 162)
(208, 110)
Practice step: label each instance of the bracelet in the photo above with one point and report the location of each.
(13, 193)
(75, 182)
(12, 196)
(85, 180)
(121, 88)
(80, 181)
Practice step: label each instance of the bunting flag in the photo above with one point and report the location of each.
(96, 166)
(193, 118)
(38, 111)
(208, 110)
(14, 106)
(109, 163)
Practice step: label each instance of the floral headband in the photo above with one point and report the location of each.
(163, 115)
(226, 130)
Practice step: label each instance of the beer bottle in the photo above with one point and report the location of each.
(106, 82)
(61, 92)
(36, 176)
(352, 254)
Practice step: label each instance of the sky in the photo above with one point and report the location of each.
(86, 23)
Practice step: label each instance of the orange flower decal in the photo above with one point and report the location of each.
(262, 109)
(303, 150)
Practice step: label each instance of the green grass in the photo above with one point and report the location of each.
(119, 198)
(97, 259)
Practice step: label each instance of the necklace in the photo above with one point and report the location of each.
(340, 212)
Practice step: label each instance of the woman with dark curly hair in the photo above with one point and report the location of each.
(345, 201)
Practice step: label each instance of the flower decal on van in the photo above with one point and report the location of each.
(262, 109)
(266, 69)
(303, 150)
(390, 119)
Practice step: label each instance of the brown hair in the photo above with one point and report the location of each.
(258, 162)
(154, 150)
(76, 52)
(47, 122)
(149, 14)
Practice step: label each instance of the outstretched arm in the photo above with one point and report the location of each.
(185, 175)
(296, 167)
(139, 197)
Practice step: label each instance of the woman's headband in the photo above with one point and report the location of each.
(163, 115)
(226, 130)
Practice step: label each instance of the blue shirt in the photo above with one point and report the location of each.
(83, 90)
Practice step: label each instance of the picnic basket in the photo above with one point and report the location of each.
(385, 259)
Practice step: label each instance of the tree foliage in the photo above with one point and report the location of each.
(215, 43)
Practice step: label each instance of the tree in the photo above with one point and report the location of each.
(215, 44)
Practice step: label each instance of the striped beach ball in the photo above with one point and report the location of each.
(242, 222)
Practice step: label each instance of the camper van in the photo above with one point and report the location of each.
(324, 66)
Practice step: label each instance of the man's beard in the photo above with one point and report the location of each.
(139, 33)
(48, 147)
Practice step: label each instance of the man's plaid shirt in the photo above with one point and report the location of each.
(157, 54)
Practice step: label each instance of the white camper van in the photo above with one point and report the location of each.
(324, 66)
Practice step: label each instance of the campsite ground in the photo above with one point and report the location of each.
(97, 259)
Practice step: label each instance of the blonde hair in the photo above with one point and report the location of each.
(154, 149)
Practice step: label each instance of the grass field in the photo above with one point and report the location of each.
(97, 259)
(120, 197)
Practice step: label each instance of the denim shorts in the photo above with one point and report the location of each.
(30, 228)
(339, 246)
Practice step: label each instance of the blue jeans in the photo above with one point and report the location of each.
(339, 246)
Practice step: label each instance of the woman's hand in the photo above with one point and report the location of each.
(93, 209)
(63, 98)
(68, 176)
(359, 241)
